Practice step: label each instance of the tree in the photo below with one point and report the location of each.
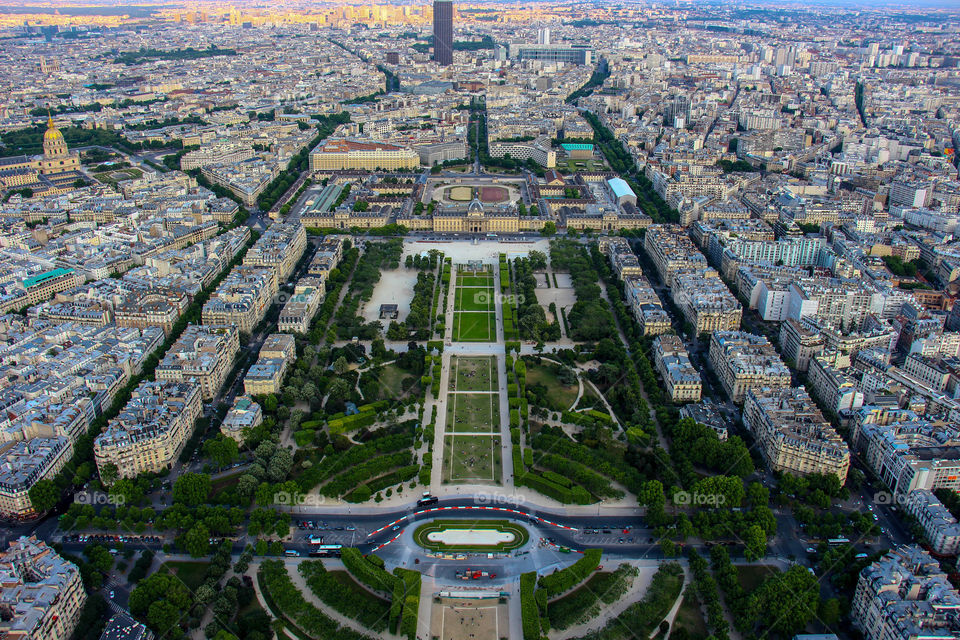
(789, 599)
(340, 366)
(538, 260)
(205, 594)
(165, 589)
(197, 540)
(44, 495)
(126, 491)
(338, 389)
(109, 474)
(221, 450)
(192, 489)
(246, 485)
(829, 611)
(755, 541)
(549, 228)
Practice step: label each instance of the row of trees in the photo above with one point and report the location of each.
(348, 599)
(287, 603)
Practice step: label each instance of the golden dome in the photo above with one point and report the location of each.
(52, 134)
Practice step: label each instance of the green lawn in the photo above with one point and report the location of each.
(471, 458)
(751, 577)
(521, 536)
(393, 380)
(191, 574)
(474, 280)
(690, 618)
(474, 326)
(473, 373)
(563, 396)
(474, 299)
(118, 175)
(472, 413)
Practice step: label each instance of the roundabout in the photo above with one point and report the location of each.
(476, 535)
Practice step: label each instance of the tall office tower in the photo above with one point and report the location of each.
(443, 32)
(543, 36)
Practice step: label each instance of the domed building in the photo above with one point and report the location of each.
(54, 171)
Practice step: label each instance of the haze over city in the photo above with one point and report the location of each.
(492, 320)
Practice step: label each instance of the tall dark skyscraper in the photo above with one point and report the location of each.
(443, 32)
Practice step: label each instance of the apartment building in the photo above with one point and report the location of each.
(793, 435)
(646, 306)
(265, 376)
(334, 154)
(203, 355)
(936, 373)
(800, 342)
(671, 250)
(23, 464)
(905, 596)
(830, 376)
(41, 594)
(152, 309)
(44, 286)
(745, 361)
(299, 310)
(245, 414)
(328, 255)
(148, 434)
(940, 528)
(908, 452)
(279, 249)
(705, 301)
(242, 299)
(622, 257)
(679, 375)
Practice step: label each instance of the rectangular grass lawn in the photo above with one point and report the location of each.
(474, 299)
(472, 413)
(473, 373)
(474, 326)
(471, 458)
(478, 280)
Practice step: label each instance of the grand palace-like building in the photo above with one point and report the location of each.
(52, 172)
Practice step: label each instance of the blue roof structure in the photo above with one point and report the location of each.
(620, 188)
(577, 146)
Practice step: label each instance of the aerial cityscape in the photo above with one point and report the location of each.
(480, 320)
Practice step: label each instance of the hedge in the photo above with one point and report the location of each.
(424, 474)
(517, 462)
(574, 495)
(364, 491)
(367, 572)
(563, 481)
(411, 601)
(303, 437)
(600, 415)
(351, 600)
(370, 469)
(333, 464)
(352, 423)
(529, 613)
(580, 473)
(565, 579)
(286, 602)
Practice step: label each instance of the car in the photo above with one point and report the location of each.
(111, 595)
(620, 540)
(811, 550)
(395, 527)
(351, 528)
(606, 531)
